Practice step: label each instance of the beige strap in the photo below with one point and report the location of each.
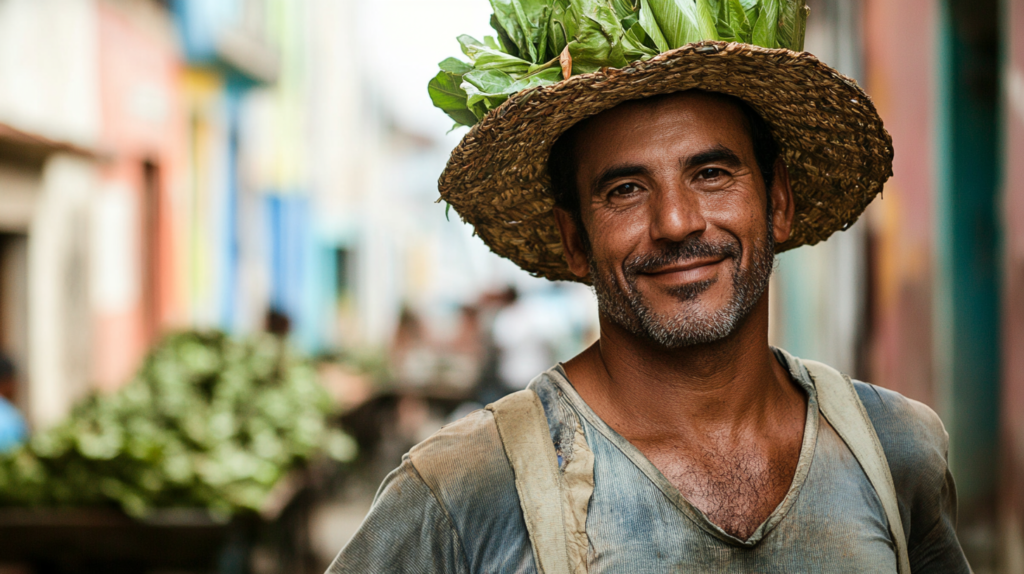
(524, 432)
(840, 404)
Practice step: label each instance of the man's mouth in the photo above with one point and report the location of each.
(688, 271)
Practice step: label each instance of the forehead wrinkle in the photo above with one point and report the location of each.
(691, 108)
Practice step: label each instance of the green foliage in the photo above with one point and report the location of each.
(532, 35)
(208, 421)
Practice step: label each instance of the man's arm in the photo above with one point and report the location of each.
(916, 446)
(406, 531)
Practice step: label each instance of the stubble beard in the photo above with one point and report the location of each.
(691, 324)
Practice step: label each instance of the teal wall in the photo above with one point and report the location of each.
(967, 243)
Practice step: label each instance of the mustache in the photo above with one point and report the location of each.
(680, 252)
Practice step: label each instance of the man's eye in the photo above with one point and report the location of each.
(711, 173)
(624, 189)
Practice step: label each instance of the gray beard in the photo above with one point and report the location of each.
(690, 325)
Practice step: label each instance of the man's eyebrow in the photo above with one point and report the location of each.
(617, 171)
(717, 154)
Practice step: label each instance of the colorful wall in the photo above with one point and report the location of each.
(1011, 495)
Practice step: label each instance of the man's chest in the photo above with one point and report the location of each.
(736, 486)
(832, 521)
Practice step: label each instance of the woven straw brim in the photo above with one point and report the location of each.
(832, 139)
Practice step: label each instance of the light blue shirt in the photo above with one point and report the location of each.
(13, 429)
(452, 507)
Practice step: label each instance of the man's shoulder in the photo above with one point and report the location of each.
(901, 417)
(468, 446)
(465, 467)
(464, 464)
(912, 436)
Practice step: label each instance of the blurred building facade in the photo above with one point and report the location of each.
(924, 295)
(123, 182)
(167, 164)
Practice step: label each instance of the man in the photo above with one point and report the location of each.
(680, 441)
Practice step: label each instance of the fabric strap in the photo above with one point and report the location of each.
(841, 406)
(525, 434)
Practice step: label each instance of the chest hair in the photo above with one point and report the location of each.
(736, 488)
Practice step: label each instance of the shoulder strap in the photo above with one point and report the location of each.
(840, 404)
(524, 432)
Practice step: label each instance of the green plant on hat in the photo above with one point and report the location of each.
(541, 42)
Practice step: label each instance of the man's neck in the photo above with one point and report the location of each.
(651, 393)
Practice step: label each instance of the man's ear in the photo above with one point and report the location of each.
(783, 205)
(572, 244)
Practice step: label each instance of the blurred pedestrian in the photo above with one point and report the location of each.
(463, 355)
(413, 359)
(13, 430)
(278, 323)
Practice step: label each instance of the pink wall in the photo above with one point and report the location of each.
(1013, 272)
(899, 63)
(143, 121)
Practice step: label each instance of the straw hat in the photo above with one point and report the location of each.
(830, 136)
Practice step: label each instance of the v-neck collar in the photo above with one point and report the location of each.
(810, 436)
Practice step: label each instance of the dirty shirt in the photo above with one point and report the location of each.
(451, 507)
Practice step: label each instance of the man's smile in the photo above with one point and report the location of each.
(685, 272)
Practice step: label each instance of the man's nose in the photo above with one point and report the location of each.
(676, 214)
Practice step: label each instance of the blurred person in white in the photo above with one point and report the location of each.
(13, 430)
(526, 335)
(681, 441)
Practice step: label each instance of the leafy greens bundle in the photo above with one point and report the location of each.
(541, 42)
(209, 421)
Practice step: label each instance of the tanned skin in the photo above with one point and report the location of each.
(722, 421)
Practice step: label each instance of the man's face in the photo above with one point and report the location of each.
(681, 239)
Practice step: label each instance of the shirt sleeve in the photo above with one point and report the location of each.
(406, 531)
(916, 446)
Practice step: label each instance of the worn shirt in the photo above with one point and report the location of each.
(452, 507)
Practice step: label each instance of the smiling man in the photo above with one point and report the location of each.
(681, 441)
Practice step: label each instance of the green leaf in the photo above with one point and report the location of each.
(627, 12)
(446, 94)
(683, 21)
(725, 32)
(560, 32)
(790, 16)
(706, 14)
(526, 23)
(542, 78)
(651, 28)
(486, 87)
(765, 28)
(623, 8)
(486, 58)
(486, 81)
(717, 8)
(637, 44)
(505, 16)
(752, 8)
(507, 43)
(598, 39)
(800, 32)
(737, 18)
(455, 66)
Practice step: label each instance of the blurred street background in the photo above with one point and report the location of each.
(255, 179)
